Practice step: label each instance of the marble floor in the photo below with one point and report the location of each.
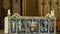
(1, 31)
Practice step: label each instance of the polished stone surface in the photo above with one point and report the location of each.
(1, 31)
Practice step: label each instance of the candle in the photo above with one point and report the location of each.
(52, 13)
(8, 11)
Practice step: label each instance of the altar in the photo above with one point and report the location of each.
(27, 25)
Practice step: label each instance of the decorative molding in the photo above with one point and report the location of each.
(23, 7)
(40, 7)
(46, 9)
(16, 6)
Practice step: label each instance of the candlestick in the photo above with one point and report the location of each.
(9, 12)
(6, 24)
(52, 13)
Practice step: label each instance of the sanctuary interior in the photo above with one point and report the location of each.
(30, 8)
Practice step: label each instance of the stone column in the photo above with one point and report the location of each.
(58, 8)
(40, 7)
(23, 7)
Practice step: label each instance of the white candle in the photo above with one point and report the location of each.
(52, 13)
(9, 12)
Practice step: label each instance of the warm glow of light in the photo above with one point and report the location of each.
(8, 11)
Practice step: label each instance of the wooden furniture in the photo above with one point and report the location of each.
(30, 8)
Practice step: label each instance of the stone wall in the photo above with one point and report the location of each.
(37, 7)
